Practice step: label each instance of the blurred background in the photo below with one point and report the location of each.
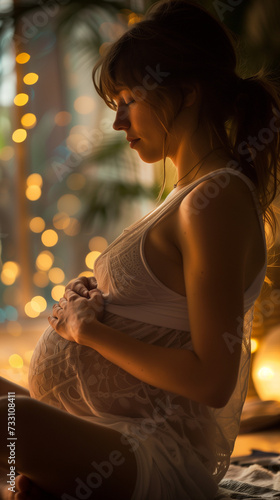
(69, 183)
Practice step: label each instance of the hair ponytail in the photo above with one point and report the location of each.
(254, 135)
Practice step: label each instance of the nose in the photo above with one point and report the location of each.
(122, 121)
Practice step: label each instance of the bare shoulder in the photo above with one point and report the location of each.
(222, 201)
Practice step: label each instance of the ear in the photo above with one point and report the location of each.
(191, 95)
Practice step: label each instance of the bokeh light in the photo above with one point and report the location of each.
(28, 120)
(19, 135)
(88, 274)
(57, 292)
(33, 193)
(21, 99)
(39, 303)
(41, 279)
(73, 228)
(31, 310)
(16, 361)
(84, 105)
(56, 275)
(62, 118)
(49, 238)
(91, 258)
(254, 345)
(44, 260)
(34, 180)
(61, 220)
(69, 203)
(22, 58)
(98, 243)
(30, 78)
(37, 224)
(10, 272)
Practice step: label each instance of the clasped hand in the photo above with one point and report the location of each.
(81, 306)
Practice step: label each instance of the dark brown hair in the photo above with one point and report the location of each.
(177, 43)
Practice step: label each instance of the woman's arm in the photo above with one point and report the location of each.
(214, 246)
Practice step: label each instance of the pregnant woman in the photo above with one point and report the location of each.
(137, 386)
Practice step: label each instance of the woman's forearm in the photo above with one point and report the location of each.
(175, 370)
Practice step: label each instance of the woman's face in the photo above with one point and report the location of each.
(141, 125)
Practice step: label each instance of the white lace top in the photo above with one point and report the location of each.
(79, 380)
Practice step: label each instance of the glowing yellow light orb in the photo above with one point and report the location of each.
(61, 220)
(56, 275)
(30, 311)
(16, 361)
(22, 58)
(37, 224)
(98, 243)
(254, 345)
(57, 292)
(28, 120)
(39, 303)
(10, 272)
(34, 180)
(30, 78)
(19, 135)
(21, 99)
(49, 238)
(88, 274)
(91, 258)
(33, 193)
(44, 261)
(266, 367)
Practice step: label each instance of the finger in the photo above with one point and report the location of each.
(53, 322)
(79, 286)
(71, 295)
(62, 302)
(92, 283)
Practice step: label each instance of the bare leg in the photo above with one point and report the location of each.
(8, 386)
(68, 456)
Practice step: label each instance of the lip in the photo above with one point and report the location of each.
(132, 142)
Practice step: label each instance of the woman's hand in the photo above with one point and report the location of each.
(82, 285)
(73, 314)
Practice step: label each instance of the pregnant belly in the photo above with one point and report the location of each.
(79, 380)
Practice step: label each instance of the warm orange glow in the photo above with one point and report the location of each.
(88, 274)
(62, 118)
(44, 260)
(33, 193)
(49, 238)
(61, 220)
(30, 78)
(73, 228)
(97, 243)
(16, 361)
(91, 258)
(14, 328)
(37, 224)
(10, 272)
(56, 275)
(254, 345)
(21, 99)
(84, 105)
(58, 292)
(32, 312)
(39, 303)
(22, 58)
(19, 135)
(28, 120)
(69, 203)
(40, 279)
(34, 180)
